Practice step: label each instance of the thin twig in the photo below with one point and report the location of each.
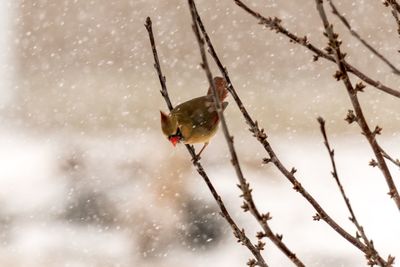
(275, 25)
(334, 43)
(238, 233)
(372, 254)
(248, 204)
(336, 12)
(387, 156)
(395, 11)
(357, 36)
(157, 65)
(262, 138)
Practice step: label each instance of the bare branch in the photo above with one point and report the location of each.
(244, 185)
(387, 156)
(372, 255)
(346, 23)
(275, 25)
(395, 11)
(334, 44)
(238, 233)
(157, 66)
(262, 138)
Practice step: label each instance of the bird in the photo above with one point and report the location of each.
(196, 120)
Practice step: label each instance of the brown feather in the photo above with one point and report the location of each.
(221, 87)
(196, 119)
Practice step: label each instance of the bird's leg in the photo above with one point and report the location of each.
(198, 154)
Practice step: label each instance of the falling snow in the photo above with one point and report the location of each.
(88, 179)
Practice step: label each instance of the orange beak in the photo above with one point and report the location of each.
(174, 140)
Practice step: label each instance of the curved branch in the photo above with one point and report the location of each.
(244, 185)
(395, 11)
(334, 44)
(387, 156)
(372, 254)
(275, 25)
(346, 23)
(238, 233)
(259, 134)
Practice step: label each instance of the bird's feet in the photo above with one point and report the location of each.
(196, 158)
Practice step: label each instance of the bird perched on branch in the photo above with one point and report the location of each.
(196, 120)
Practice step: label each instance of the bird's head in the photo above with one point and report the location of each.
(170, 128)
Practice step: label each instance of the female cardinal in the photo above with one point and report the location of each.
(196, 120)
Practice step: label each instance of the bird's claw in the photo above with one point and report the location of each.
(196, 158)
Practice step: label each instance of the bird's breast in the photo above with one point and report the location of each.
(200, 134)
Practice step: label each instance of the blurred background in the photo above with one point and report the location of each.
(87, 178)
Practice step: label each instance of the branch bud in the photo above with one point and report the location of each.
(338, 75)
(266, 160)
(245, 206)
(316, 217)
(251, 263)
(297, 186)
(360, 87)
(378, 130)
(260, 245)
(260, 235)
(373, 163)
(390, 260)
(351, 117)
(266, 217)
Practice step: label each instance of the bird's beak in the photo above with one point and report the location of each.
(174, 140)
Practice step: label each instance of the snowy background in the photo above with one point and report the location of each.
(87, 178)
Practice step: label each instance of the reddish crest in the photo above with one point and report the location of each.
(164, 117)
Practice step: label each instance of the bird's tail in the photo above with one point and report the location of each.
(222, 88)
